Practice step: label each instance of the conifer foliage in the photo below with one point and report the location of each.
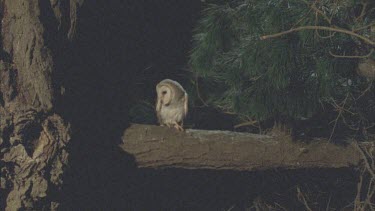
(307, 69)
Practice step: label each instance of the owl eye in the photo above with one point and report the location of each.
(164, 92)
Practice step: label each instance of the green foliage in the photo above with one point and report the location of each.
(293, 76)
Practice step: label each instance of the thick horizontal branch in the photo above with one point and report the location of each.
(161, 147)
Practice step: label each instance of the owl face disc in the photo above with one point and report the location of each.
(165, 95)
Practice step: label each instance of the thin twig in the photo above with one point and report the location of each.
(369, 194)
(341, 109)
(312, 6)
(316, 23)
(232, 207)
(325, 37)
(301, 198)
(352, 57)
(357, 201)
(363, 27)
(349, 126)
(249, 123)
(329, 201)
(363, 11)
(368, 127)
(364, 92)
(325, 28)
(278, 205)
(300, 20)
(198, 93)
(367, 164)
(372, 160)
(337, 107)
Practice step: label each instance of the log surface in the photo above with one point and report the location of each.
(161, 147)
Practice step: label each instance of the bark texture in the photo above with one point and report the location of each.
(161, 147)
(33, 157)
(33, 138)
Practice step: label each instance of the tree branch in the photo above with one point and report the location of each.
(325, 28)
(352, 57)
(161, 147)
(364, 27)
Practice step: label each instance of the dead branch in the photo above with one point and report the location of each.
(357, 201)
(198, 92)
(161, 147)
(248, 123)
(366, 169)
(302, 199)
(365, 91)
(340, 109)
(318, 11)
(325, 28)
(352, 57)
(363, 27)
(365, 159)
(363, 12)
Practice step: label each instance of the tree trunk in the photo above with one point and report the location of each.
(33, 138)
(161, 147)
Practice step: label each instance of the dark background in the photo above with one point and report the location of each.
(123, 48)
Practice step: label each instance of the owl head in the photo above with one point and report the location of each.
(169, 91)
(165, 94)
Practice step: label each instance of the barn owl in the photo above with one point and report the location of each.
(171, 104)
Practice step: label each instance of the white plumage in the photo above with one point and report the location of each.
(171, 103)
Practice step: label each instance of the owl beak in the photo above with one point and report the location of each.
(166, 104)
(161, 102)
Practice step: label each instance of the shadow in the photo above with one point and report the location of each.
(96, 104)
(176, 189)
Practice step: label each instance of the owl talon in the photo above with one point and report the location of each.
(178, 127)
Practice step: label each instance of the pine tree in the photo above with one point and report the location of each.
(306, 70)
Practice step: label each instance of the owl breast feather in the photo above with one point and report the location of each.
(172, 114)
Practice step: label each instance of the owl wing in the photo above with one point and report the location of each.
(186, 103)
(158, 109)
